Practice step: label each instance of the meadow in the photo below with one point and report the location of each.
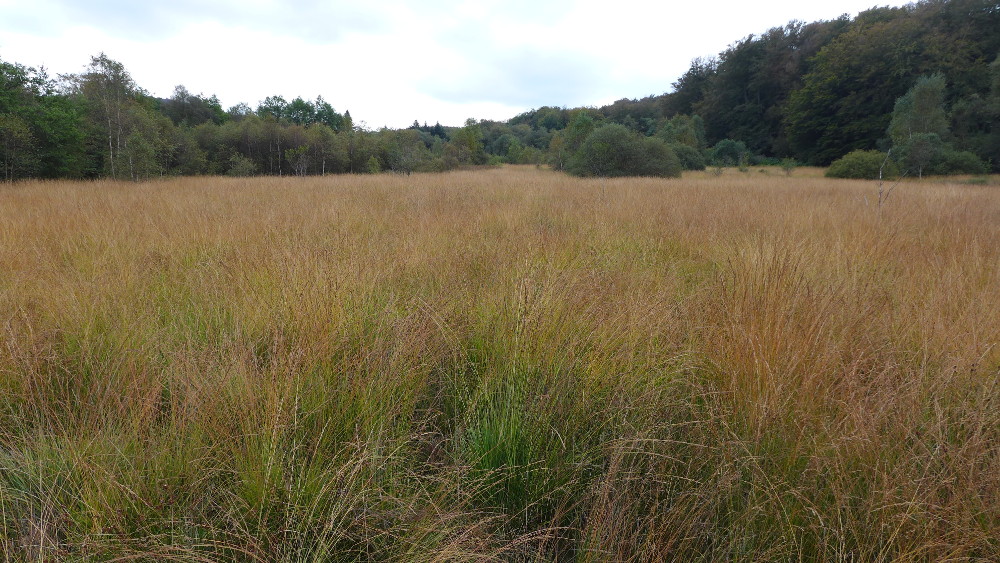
(500, 365)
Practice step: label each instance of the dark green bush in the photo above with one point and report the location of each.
(862, 165)
(615, 150)
(240, 165)
(690, 157)
(951, 161)
(658, 159)
(728, 152)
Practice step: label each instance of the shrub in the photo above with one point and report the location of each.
(615, 150)
(728, 152)
(862, 165)
(951, 161)
(657, 159)
(690, 157)
(240, 165)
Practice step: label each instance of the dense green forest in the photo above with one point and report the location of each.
(921, 82)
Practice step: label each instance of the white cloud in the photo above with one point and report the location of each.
(391, 62)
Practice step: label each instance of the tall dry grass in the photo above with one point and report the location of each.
(499, 365)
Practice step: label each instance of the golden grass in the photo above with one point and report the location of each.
(503, 364)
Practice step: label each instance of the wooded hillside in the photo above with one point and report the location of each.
(812, 92)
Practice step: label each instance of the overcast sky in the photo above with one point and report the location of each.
(391, 61)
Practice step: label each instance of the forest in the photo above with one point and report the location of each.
(920, 83)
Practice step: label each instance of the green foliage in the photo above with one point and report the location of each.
(140, 156)
(658, 159)
(347, 124)
(60, 126)
(360, 147)
(507, 147)
(146, 150)
(581, 124)
(919, 124)
(728, 152)
(184, 156)
(298, 157)
(510, 148)
(44, 132)
(116, 112)
(272, 106)
(468, 143)
(558, 153)
(614, 150)
(917, 151)
(500, 444)
(300, 112)
(690, 157)
(863, 165)
(972, 125)
(240, 165)
(100, 123)
(684, 130)
(18, 152)
(17, 87)
(239, 111)
(545, 117)
(402, 151)
(328, 116)
(692, 86)
(849, 93)
(551, 118)
(920, 132)
(185, 108)
(920, 110)
(754, 79)
(951, 161)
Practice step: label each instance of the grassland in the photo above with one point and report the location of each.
(507, 364)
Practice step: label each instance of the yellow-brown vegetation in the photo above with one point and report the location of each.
(505, 364)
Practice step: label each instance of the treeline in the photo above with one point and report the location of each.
(815, 92)
(100, 123)
(809, 93)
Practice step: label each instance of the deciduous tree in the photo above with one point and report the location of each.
(18, 156)
(110, 91)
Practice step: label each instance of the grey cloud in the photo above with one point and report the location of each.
(315, 21)
(524, 78)
(39, 18)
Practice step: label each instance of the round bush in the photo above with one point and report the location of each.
(657, 160)
(862, 165)
(957, 162)
(728, 152)
(690, 157)
(615, 150)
